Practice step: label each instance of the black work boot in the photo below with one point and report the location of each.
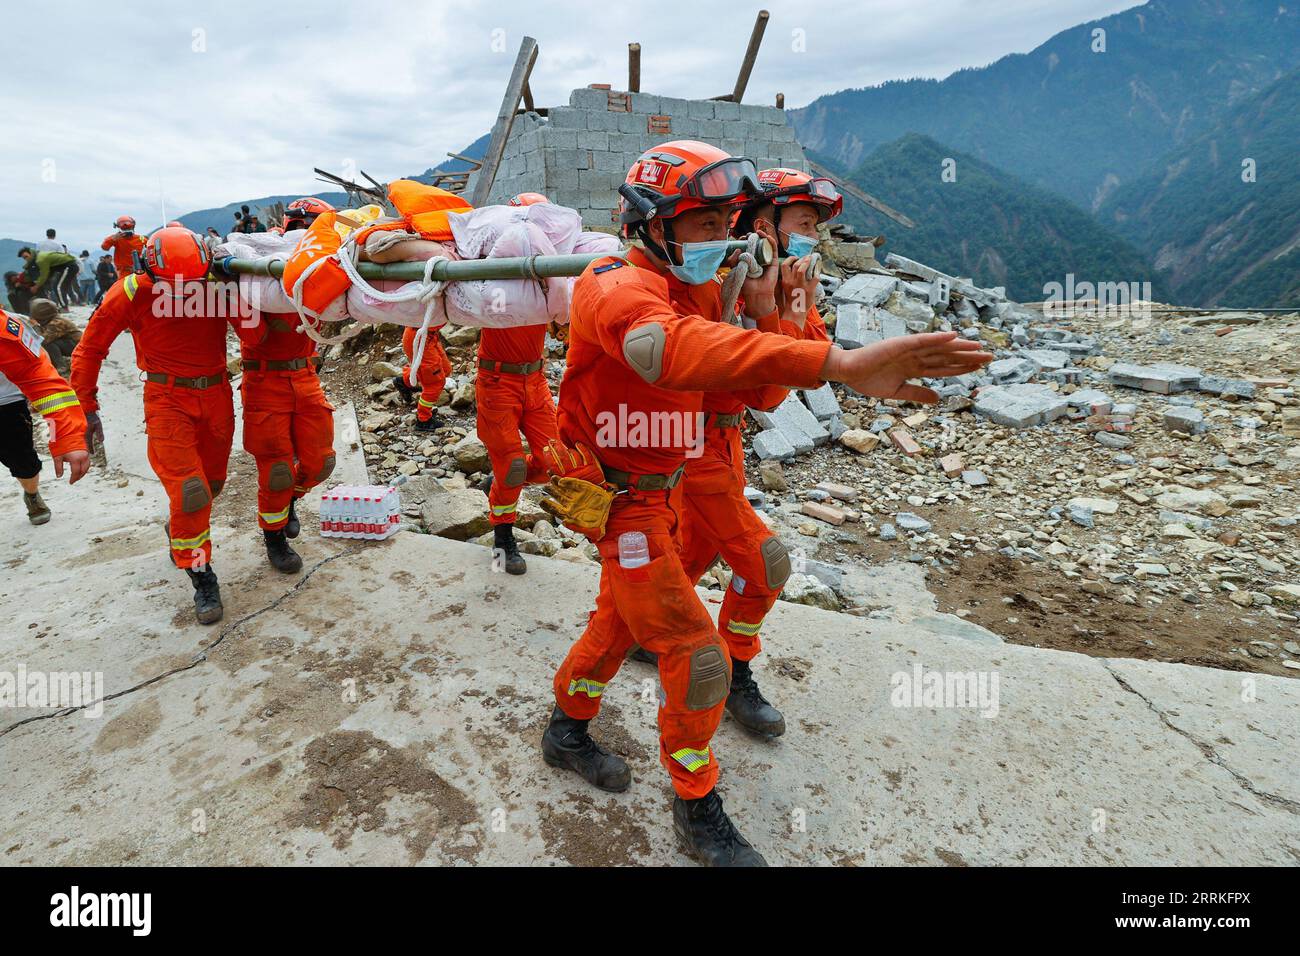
(749, 707)
(408, 394)
(282, 557)
(38, 512)
(207, 595)
(427, 424)
(567, 744)
(639, 653)
(293, 525)
(505, 544)
(708, 835)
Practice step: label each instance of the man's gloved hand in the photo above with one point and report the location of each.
(580, 505)
(578, 494)
(94, 432)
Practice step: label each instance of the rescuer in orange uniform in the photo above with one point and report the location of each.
(288, 421)
(26, 367)
(125, 244)
(180, 345)
(434, 369)
(717, 520)
(638, 360)
(513, 396)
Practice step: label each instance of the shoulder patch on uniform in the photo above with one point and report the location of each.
(12, 327)
(616, 264)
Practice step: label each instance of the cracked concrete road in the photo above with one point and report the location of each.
(385, 707)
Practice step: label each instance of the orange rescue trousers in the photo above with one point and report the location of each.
(289, 431)
(434, 369)
(190, 431)
(509, 403)
(718, 521)
(655, 606)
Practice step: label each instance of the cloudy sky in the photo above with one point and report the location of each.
(120, 108)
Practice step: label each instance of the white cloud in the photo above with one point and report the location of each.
(203, 104)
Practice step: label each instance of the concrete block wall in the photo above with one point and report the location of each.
(579, 154)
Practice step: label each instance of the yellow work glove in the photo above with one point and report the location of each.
(581, 506)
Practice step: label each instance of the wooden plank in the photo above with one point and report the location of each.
(861, 196)
(505, 120)
(634, 68)
(751, 54)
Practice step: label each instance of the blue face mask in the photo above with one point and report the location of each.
(700, 261)
(798, 245)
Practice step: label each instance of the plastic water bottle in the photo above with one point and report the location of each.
(633, 550)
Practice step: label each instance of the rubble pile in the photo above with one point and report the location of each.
(1143, 457)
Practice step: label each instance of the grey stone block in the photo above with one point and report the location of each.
(865, 289)
(822, 403)
(1020, 406)
(1190, 421)
(1217, 385)
(700, 109)
(849, 330)
(1164, 378)
(588, 99)
(1048, 359)
(563, 117)
(772, 444)
(648, 103)
(1012, 371)
(593, 139)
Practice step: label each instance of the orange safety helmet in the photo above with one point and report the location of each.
(125, 223)
(677, 177)
(175, 222)
(304, 211)
(528, 199)
(173, 253)
(782, 186)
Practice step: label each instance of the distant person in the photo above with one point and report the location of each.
(50, 243)
(51, 269)
(59, 335)
(86, 277)
(105, 276)
(18, 290)
(242, 220)
(213, 234)
(124, 243)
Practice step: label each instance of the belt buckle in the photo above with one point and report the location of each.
(651, 483)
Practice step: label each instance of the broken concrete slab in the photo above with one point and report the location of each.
(1011, 371)
(1164, 378)
(1190, 421)
(1020, 406)
(866, 289)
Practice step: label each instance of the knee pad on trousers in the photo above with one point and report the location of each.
(710, 680)
(326, 468)
(217, 486)
(517, 473)
(280, 477)
(194, 495)
(776, 563)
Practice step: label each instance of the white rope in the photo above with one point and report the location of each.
(746, 267)
(427, 291)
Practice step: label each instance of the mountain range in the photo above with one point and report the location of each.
(980, 221)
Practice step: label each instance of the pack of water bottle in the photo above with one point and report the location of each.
(372, 512)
